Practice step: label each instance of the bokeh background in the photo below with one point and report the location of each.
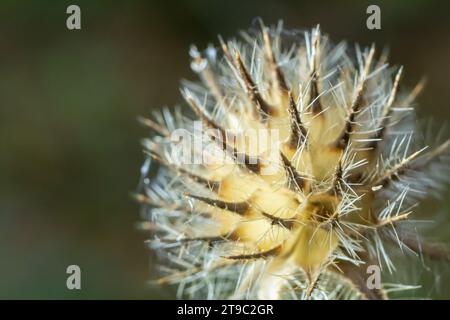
(69, 139)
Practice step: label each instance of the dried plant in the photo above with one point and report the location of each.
(331, 192)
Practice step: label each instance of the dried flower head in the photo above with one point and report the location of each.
(300, 170)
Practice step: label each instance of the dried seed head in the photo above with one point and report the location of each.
(300, 171)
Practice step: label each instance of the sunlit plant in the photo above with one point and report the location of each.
(323, 190)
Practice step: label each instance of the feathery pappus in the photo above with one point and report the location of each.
(300, 166)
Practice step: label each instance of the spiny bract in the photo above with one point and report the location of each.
(301, 171)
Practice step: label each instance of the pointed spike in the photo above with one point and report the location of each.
(315, 48)
(369, 60)
(213, 185)
(416, 91)
(343, 141)
(210, 239)
(314, 96)
(312, 285)
(336, 184)
(396, 171)
(316, 106)
(225, 50)
(223, 137)
(251, 163)
(155, 156)
(237, 207)
(298, 130)
(392, 220)
(378, 136)
(295, 181)
(394, 90)
(412, 162)
(262, 107)
(285, 223)
(200, 112)
(258, 255)
(278, 73)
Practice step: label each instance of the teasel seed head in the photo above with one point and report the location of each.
(326, 187)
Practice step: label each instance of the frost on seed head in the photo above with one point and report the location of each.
(299, 166)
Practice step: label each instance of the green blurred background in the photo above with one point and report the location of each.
(69, 139)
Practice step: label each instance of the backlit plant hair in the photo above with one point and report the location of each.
(330, 194)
